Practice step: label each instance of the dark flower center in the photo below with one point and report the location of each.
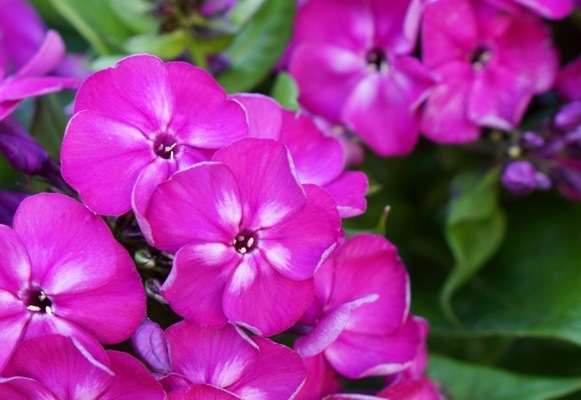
(244, 242)
(480, 57)
(37, 301)
(165, 146)
(377, 60)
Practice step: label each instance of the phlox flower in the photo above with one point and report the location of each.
(552, 9)
(321, 379)
(351, 60)
(28, 53)
(491, 63)
(317, 158)
(137, 123)
(61, 271)
(55, 367)
(225, 364)
(249, 235)
(360, 318)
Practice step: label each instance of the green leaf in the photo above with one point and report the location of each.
(167, 46)
(467, 381)
(135, 15)
(258, 46)
(474, 230)
(286, 91)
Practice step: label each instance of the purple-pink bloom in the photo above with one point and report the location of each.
(225, 364)
(491, 63)
(150, 344)
(28, 52)
(137, 123)
(552, 9)
(56, 367)
(521, 177)
(63, 272)
(249, 235)
(318, 159)
(352, 62)
(360, 317)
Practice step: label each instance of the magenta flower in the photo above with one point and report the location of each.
(63, 272)
(27, 54)
(352, 62)
(553, 9)
(318, 159)
(321, 379)
(55, 367)
(568, 82)
(360, 317)
(225, 364)
(252, 237)
(490, 69)
(137, 123)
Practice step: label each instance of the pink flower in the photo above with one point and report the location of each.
(569, 81)
(360, 317)
(553, 9)
(491, 64)
(62, 272)
(137, 123)
(318, 159)
(28, 52)
(251, 237)
(352, 62)
(225, 364)
(321, 379)
(54, 367)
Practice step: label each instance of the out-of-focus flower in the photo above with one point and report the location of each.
(211, 8)
(52, 367)
(28, 52)
(225, 364)
(491, 63)
(521, 177)
(318, 159)
(137, 123)
(568, 82)
(9, 202)
(360, 317)
(63, 272)
(552, 9)
(352, 62)
(20, 149)
(251, 237)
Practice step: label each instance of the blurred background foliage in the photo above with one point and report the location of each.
(497, 275)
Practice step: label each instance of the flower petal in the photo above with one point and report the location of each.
(13, 324)
(19, 388)
(349, 191)
(264, 115)
(49, 54)
(321, 379)
(22, 88)
(14, 261)
(202, 392)
(397, 24)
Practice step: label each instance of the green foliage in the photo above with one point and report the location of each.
(286, 91)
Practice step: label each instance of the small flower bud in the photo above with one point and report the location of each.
(9, 202)
(531, 140)
(20, 149)
(521, 177)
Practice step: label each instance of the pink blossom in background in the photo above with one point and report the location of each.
(251, 237)
(321, 379)
(552, 9)
(568, 82)
(137, 123)
(491, 63)
(28, 53)
(225, 364)
(352, 62)
(55, 367)
(360, 317)
(318, 159)
(61, 271)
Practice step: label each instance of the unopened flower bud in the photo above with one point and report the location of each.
(151, 345)
(521, 177)
(569, 117)
(20, 149)
(531, 141)
(9, 202)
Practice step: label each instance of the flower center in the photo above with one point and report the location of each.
(480, 57)
(165, 146)
(244, 242)
(37, 301)
(377, 60)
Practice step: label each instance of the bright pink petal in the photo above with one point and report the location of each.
(202, 115)
(291, 248)
(73, 372)
(22, 88)
(202, 392)
(97, 310)
(137, 91)
(264, 115)
(445, 118)
(132, 380)
(49, 54)
(356, 355)
(422, 389)
(66, 245)
(397, 24)
(349, 191)
(278, 374)
(19, 388)
(196, 283)
(201, 203)
(569, 81)
(554, 9)
(269, 188)
(217, 356)
(12, 325)
(262, 300)
(369, 265)
(102, 158)
(329, 326)
(326, 75)
(14, 262)
(321, 379)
